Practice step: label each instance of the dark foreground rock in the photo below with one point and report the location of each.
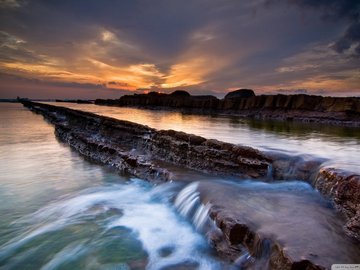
(243, 102)
(137, 149)
(277, 238)
(344, 188)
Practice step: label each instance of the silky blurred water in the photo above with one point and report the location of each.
(340, 146)
(59, 211)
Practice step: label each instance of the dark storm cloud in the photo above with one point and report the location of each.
(14, 49)
(336, 10)
(202, 45)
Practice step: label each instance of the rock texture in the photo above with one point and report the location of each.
(344, 188)
(238, 234)
(136, 149)
(243, 102)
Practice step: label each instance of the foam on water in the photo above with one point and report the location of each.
(189, 205)
(168, 239)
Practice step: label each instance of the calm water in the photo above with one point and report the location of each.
(59, 211)
(339, 145)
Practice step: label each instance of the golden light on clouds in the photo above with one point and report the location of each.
(110, 57)
(93, 65)
(108, 36)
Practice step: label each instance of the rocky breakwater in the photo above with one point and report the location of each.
(244, 102)
(137, 149)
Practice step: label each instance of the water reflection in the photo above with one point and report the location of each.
(59, 211)
(335, 143)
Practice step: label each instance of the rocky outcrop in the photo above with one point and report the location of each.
(237, 234)
(275, 228)
(137, 149)
(134, 148)
(241, 93)
(306, 108)
(180, 93)
(177, 100)
(344, 188)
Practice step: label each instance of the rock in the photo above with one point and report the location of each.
(110, 141)
(244, 103)
(262, 232)
(132, 149)
(241, 93)
(180, 93)
(344, 188)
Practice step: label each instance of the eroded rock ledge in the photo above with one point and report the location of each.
(305, 108)
(135, 149)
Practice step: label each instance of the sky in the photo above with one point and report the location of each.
(105, 49)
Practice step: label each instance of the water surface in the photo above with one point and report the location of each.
(59, 211)
(340, 146)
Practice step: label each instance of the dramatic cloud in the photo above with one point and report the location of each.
(338, 10)
(203, 46)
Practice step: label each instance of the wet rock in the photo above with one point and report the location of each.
(241, 239)
(287, 167)
(110, 141)
(166, 251)
(344, 188)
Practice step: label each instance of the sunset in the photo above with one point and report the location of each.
(89, 49)
(180, 135)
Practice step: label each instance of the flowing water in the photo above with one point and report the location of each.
(59, 211)
(339, 146)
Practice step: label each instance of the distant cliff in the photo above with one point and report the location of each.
(243, 102)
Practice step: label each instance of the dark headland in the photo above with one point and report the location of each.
(244, 103)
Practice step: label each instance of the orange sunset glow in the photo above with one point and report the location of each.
(54, 50)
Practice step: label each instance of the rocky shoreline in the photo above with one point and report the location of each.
(136, 149)
(244, 103)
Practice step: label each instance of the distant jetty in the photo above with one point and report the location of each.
(244, 103)
(78, 101)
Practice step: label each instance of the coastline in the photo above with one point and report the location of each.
(133, 148)
(343, 111)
